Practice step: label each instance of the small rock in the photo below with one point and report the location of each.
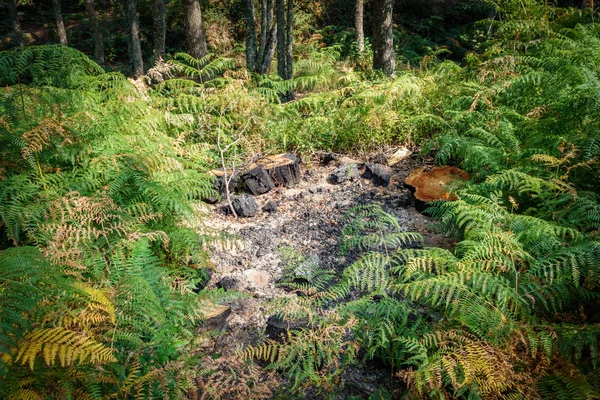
(256, 278)
(344, 173)
(227, 283)
(270, 207)
(398, 156)
(328, 158)
(244, 205)
(379, 174)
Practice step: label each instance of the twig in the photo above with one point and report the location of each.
(222, 151)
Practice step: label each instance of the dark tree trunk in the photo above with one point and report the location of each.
(358, 24)
(160, 28)
(133, 37)
(196, 37)
(98, 40)
(383, 39)
(284, 43)
(288, 52)
(14, 22)
(250, 36)
(259, 61)
(60, 25)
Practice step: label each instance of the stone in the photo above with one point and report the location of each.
(256, 278)
(379, 174)
(244, 205)
(270, 207)
(398, 156)
(344, 173)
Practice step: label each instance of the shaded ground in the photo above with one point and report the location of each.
(309, 220)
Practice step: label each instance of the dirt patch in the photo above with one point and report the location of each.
(309, 219)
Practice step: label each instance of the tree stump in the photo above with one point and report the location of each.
(282, 169)
(258, 180)
(428, 186)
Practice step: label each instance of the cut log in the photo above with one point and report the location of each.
(219, 184)
(282, 169)
(258, 180)
(379, 174)
(433, 185)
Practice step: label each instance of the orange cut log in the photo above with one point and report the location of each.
(433, 184)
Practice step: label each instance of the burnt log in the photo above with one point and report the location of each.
(265, 174)
(379, 174)
(219, 184)
(258, 180)
(434, 184)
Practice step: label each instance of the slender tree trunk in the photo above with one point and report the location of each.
(358, 23)
(284, 43)
(259, 61)
(269, 51)
(14, 22)
(133, 38)
(288, 50)
(98, 40)
(383, 39)
(281, 39)
(60, 25)
(250, 36)
(160, 28)
(196, 36)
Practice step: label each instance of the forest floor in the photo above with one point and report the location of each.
(308, 219)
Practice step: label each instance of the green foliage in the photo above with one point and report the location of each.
(99, 176)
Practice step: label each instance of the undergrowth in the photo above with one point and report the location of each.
(103, 245)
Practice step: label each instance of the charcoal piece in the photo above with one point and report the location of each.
(258, 180)
(344, 173)
(379, 174)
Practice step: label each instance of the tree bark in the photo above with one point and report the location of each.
(98, 39)
(14, 22)
(250, 36)
(284, 44)
(259, 61)
(383, 39)
(133, 37)
(160, 28)
(358, 23)
(60, 25)
(196, 36)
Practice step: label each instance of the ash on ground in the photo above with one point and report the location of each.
(309, 219)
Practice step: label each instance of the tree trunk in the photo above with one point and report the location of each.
(196, 37)
(250, 36)
(98, 40)
(358, 23)
(60, 25)
(133, 38)
(160, 28)
(259, 61)
(288, 53)
(383, 39)
(284, 44)
(14, 22)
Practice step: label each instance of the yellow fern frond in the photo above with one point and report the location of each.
(68, 346)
